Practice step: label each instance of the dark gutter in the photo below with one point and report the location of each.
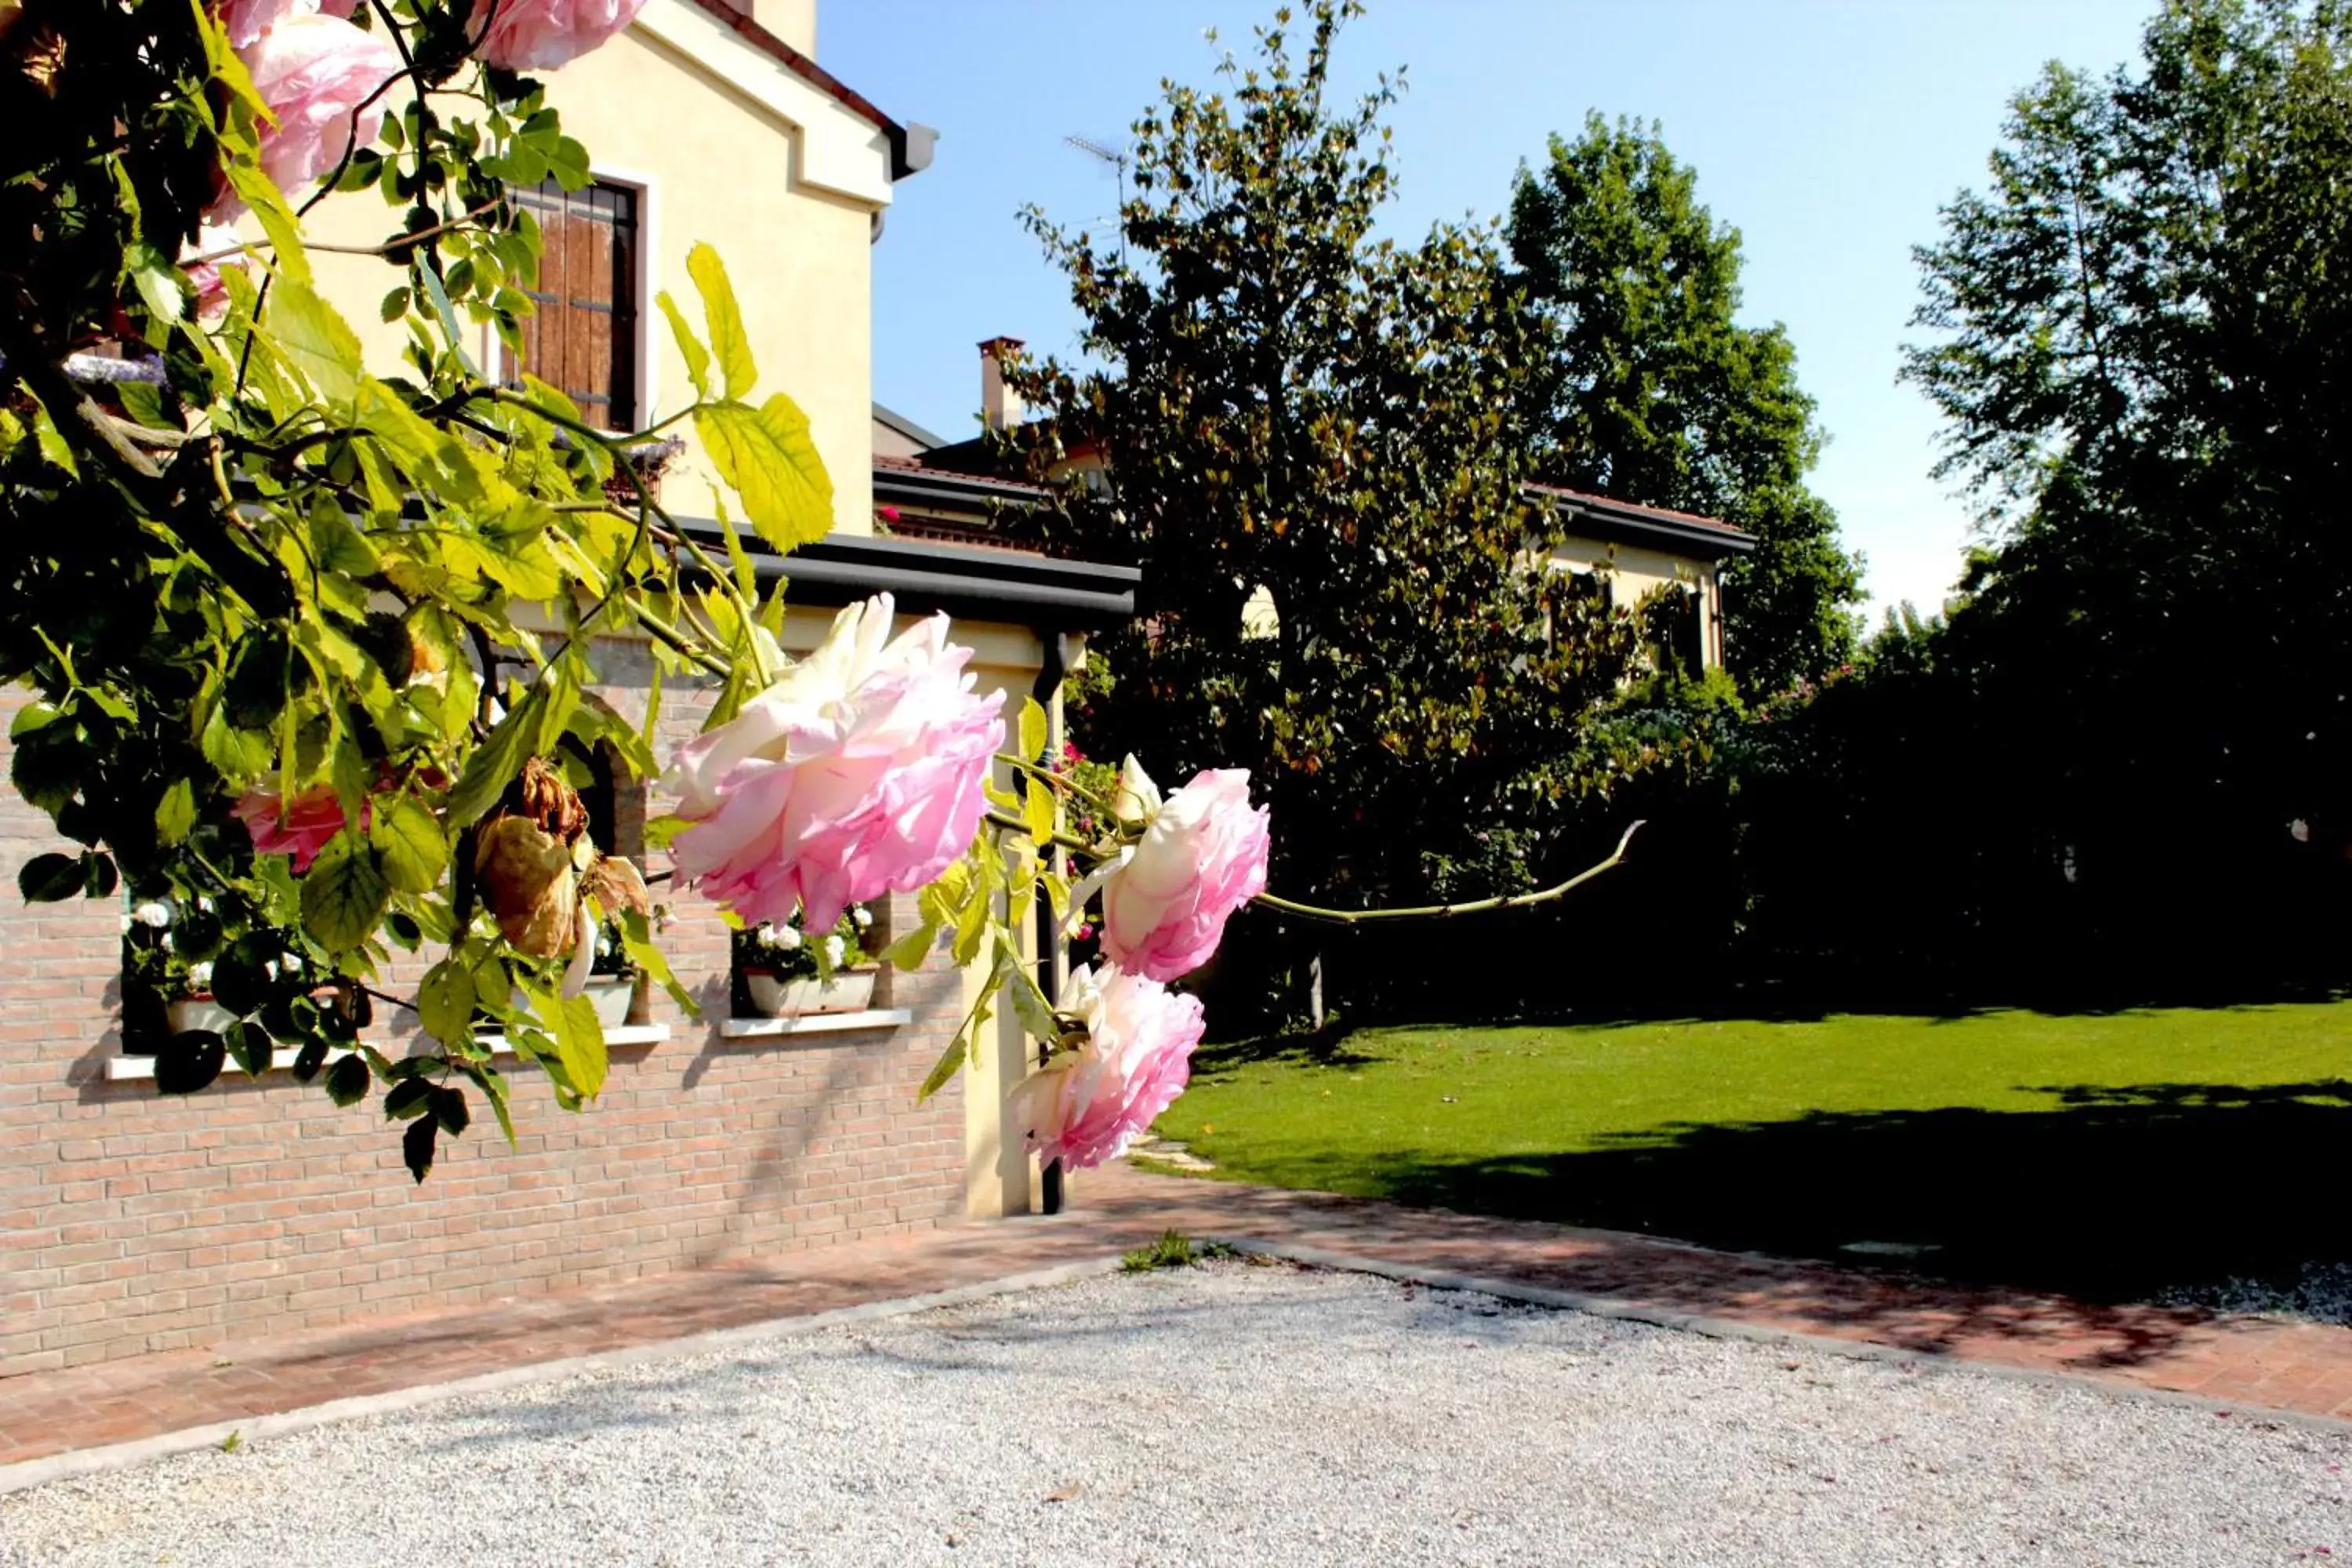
(979, 585)
(908, 485)
(1611, 521)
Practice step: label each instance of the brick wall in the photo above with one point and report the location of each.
(131, 1222)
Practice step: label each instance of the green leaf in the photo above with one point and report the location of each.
(690, 347)
(637, 939)
(728, 342)
(50, 879)
(337, 545)
(178, 812)
(908, 952)
(579, 1040)
(288, 258)
(99, 877)
(33, 716)
(494, 765)
(1038, 813)
(768, 457)
(493, 1086)
(343, 894)
(161, 287)
(189, 1061)
(407, 1098)
(971, 925)
(1033, 731)
(416, 1146)
(348, 1079)
(1029, 1004)
(317, 340)
(250, 1044)
(445, 1002)
(950, 1061)
(409, 845)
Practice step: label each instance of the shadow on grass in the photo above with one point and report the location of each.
(2111, 1196)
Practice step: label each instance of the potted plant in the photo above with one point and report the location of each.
(181, 975)
(786, 972)
(612, 978)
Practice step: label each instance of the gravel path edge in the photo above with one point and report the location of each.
(253, 1428)
(1638, 1311)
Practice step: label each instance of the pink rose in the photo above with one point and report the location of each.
(1166, 901)
(858, 773)
(539, 35)
(246, 20)
(313, 71)
(1087, 1105)
(299, 828)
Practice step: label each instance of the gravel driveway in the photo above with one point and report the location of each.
(1235, 1413)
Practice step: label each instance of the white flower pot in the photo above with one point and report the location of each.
(197, 1013)
(611, 994)
(773, 997)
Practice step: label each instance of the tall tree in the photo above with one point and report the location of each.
(1656, 395)
(1296, 416)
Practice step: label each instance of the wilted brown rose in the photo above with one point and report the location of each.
(535, 861)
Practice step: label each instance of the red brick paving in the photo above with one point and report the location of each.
(2304, 1368)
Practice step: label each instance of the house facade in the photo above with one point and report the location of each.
(131, 1222)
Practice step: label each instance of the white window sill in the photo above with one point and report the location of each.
(815, 1024)
(122, 1068)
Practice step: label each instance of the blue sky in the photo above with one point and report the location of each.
(1829, 131)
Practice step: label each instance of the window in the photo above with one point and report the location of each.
(582, 339)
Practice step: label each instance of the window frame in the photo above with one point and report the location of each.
(646, 383)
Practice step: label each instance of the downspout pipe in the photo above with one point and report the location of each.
(1056, 664)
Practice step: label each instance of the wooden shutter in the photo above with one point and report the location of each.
(582, 339)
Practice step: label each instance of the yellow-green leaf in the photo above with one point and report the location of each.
(950, 1061)
(767, 457)
(728, 342)
(1034, 730)
(288, 257)
(343, 894)
(690, 347)
(909, 951)
(445, 1002)
(177, 812)
(1039, 813)
(316, 339)
(579, 1041)
(408, 842)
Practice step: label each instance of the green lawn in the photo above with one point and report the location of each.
(2107, 1154)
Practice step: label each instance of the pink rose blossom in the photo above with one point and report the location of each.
(299, 828)
(1166, 901)
(246, 20)
(859, 772)
(539, 35)
(1086, 1106)
(313, 71)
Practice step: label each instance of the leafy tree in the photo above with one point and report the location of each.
(2144, 354)
(1288, 409)
(1654, 393)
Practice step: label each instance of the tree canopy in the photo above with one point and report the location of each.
(1312, 437)
(1651, 391)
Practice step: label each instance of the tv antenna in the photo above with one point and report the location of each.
(1110, 157)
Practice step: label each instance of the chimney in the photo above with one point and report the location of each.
(1000, 406)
